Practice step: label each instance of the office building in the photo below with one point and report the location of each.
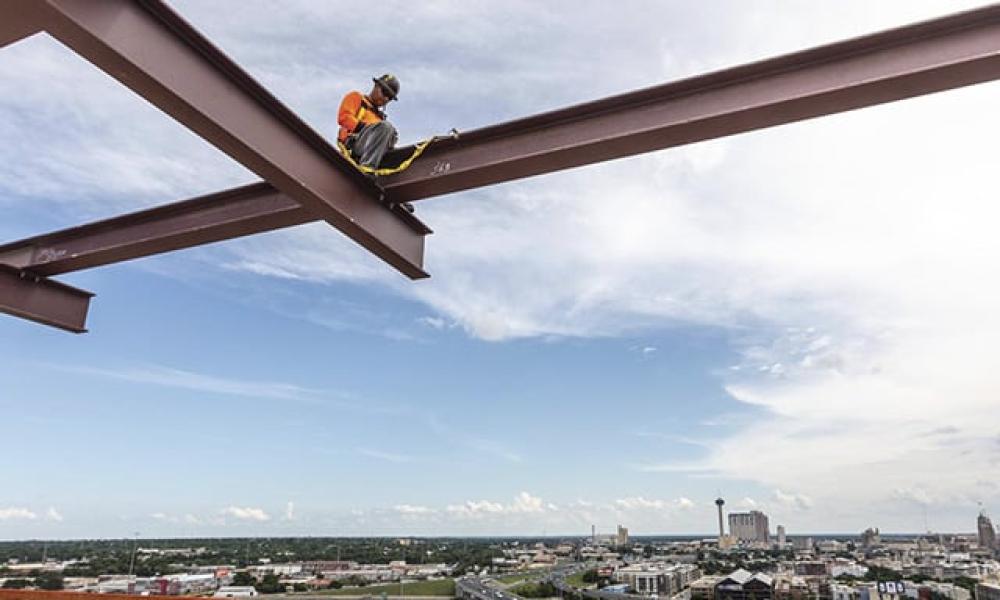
(749, 527)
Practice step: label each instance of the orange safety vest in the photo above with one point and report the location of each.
(356, 108)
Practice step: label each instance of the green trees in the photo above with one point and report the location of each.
(536, 590)
(270, 584)
(16, 584)
(49, 581)
(243, 579)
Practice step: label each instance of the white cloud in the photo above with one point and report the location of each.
(641, 503)
(526, 503)
(523, 503)
(409, 509)
(53, 515)
(473, 508)
(638, 502)
(792, 501)
(246, 513)
(684, 503)
(13, 512)
(851, 258)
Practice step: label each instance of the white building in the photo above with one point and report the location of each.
(235, 591)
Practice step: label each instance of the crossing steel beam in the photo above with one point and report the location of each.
(948, 52)
(932, 56)
(149, 48)
(43, 300)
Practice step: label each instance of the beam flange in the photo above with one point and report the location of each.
(954, 51)
(152, 50)
(18, 22)
(43, 300)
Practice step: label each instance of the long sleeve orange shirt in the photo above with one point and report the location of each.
(355, 108)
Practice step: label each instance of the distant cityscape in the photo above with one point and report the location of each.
(746, 562)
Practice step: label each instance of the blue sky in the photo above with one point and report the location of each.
(801, 318)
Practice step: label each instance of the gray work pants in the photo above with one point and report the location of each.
(372, 143)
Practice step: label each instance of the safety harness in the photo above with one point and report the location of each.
(417, 150)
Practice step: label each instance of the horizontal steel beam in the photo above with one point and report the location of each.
(149, 48)
(233, 213)
(43, 300)
(238, 212)
(949, 52)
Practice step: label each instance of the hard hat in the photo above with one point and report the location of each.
(389, 85)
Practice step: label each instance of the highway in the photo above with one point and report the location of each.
(472, 587)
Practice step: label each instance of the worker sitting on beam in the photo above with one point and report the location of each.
(364, 130)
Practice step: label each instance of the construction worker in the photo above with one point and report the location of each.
(364, 129)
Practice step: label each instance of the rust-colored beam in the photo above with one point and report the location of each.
(246, 210)
(43, 300)
(949, 52)
(238, 212)
(944, 53)
(18, 22)
(149, 48)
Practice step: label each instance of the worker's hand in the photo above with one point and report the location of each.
(361, 127)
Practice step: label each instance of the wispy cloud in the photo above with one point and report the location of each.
(480, 444)
(387, 456)
(190, 380)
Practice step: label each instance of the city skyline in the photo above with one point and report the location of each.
(825, 283)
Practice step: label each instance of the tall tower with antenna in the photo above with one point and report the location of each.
(722, 532)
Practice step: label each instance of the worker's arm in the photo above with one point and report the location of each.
(348, 115)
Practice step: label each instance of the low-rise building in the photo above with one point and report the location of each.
(988, 590)
(744, 585)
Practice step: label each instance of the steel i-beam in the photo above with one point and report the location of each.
(941, 54)
(948, 52)
(18, 22)
(42, 300)
(153, 51)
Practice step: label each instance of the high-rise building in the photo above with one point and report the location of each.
(781, 535)
(622, 537)
(987, 535)
(749, 526)
(870, 537)
(593, 535)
